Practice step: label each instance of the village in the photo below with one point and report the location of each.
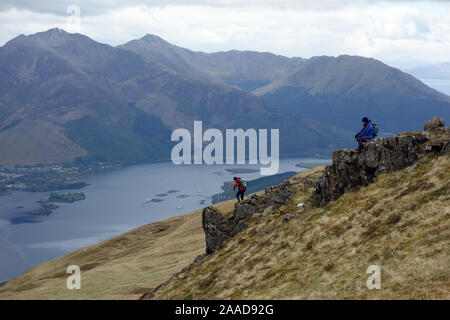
(49, 177)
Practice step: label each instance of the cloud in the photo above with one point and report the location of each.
(400, 33)
(98, 7)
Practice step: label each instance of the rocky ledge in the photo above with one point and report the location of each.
(220, 228)
(351, 169)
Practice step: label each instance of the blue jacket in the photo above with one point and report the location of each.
(367, 131)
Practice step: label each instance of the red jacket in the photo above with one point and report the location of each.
(237, 183)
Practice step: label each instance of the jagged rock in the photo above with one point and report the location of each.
(390, 154)
(434, 123)
(325, 186)
(244, 210)
(216, 228)
(440, 146)
(219, 228)
(351, 169)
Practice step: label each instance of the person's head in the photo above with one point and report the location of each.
(365, 120)
(234, 178)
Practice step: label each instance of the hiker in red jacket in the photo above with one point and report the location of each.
(241, 184)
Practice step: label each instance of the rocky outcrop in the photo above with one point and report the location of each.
(351, 169)
(434, 123)
(441, 135)
(440, 146)
(219, 228)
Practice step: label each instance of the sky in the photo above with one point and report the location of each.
(404, 34)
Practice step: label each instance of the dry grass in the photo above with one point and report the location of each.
(400, 223)
(124, 267)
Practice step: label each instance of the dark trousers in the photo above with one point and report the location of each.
(361, 140)
(240, 194)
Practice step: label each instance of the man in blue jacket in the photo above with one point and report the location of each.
(366, 133)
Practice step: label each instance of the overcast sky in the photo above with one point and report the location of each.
(401, 33)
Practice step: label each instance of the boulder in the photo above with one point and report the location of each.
(440, 146)
(217, 229)
(434, 123)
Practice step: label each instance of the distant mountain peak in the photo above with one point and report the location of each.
(56, 30)
(52, 37)
(52, 33)
(153, 38)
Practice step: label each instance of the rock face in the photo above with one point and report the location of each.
(433, 123)
(351, 169)
(219, 228)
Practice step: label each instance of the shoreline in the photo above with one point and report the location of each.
(87, 171)
(80, 173)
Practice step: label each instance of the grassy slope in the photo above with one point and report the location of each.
(120, 268)
(400, 223)
(322, 253)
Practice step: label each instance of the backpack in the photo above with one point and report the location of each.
(375, 129)
(243, 183)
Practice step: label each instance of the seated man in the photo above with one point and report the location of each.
(366, 133)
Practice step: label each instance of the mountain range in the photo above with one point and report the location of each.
(332, 90)
(247, 70)
(65, 97)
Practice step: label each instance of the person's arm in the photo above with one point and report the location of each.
(235, 185)
(359, 133)
(365, 130)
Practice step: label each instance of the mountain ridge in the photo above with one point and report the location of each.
(57, 83)
(54, 84)
(337, 86)
(237, 68)
(332, 90)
